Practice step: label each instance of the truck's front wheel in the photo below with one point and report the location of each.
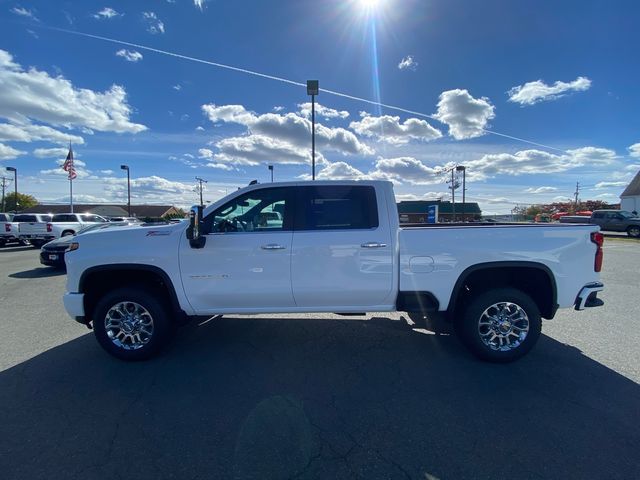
(500, 325)
(131, 323)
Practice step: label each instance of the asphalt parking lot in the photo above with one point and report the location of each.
(317, 396)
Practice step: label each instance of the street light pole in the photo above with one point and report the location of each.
(271, 169)
(15, 184)
(463, 169)
(126, 167)
(453, 196)
(313, 89)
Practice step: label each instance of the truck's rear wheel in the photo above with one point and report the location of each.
(633, 231)
(500, 325)
(131, 323)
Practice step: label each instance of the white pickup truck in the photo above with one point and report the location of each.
(64, 224)
(334, 247)
(34, 228)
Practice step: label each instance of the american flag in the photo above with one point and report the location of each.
(68, 165)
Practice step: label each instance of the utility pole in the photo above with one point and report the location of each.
(4, 186)
(201, 181)
(577, 192)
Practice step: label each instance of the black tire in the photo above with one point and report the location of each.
(2, 243)
(468, 326)
(37, 244)
(158, 310)
(66, 233)
(633, 231)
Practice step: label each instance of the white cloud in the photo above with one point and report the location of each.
(258, 149)
(593, 155)
(321, 111)
(151, 189)
(540, 190)
(199, 4)
(177, 87)
(533, 92)
(278, 108)
(154, 24)
(338, 171)
(106, 13)
(51, 152)
(408, 63)
(9, 153)
(537, 162)
(601, 185)
(389, 129)
(24, 12)
(129, 55)
(32, 133)
(634, 150)
(467, 117)
(424, 196)
(106, 172)
(406, 169)
(290, 128)
(199, 128)
(34, 95)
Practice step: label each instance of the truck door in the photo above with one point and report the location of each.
(342, 249)
(245, 263)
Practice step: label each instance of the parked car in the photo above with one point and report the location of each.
(609, 221)
(340, 249)
(8, 229)
(52, 253)
(64, 224)
(129, 220)
(34, 228)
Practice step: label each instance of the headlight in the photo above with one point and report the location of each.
(73, 246)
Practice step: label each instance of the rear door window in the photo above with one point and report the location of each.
(338, 208)
(25, 218)
(63, 217)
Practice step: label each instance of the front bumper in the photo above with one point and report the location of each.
(52, 258)
(588, 296)
(74, 305)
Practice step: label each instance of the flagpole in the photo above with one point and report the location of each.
(71, 183)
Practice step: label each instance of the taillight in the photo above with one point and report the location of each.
(7, 227)
(598, 239)
(49, 228)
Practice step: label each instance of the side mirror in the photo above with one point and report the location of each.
(194, 233)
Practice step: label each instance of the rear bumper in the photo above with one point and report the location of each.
(74, 305)
(38, 236)
(588, 296)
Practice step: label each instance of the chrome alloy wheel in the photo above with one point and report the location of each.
(503, 326)
(129, 325)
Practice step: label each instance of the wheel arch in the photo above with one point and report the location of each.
(96, 281)
(533, 278)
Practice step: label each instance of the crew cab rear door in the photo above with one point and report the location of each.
(342, 249)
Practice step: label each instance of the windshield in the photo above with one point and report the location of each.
(627, 214)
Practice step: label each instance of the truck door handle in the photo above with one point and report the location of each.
(273, 246)
(373, 245)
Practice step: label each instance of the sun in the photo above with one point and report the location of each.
(370, 4)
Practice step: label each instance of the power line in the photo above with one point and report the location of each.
(290, 82)
(200, 188)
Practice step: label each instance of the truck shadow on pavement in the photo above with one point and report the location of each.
(41, 272)
(282, 398)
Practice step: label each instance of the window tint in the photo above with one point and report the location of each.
(25, 218)
(44, 218)
(598, 215)
(339, 208)
(92, 218)
(5, 217)
(63, 217)
(258, 211)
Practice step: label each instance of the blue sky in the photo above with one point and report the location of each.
(562, 75)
